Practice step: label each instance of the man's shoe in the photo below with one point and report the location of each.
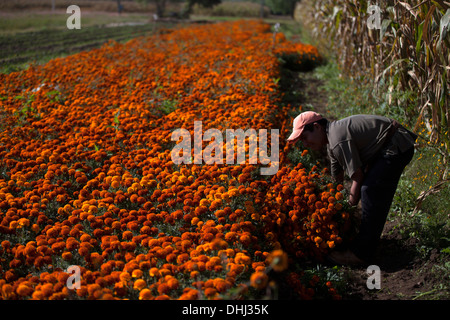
(345, 258)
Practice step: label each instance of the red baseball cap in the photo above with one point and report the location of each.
(301, 121)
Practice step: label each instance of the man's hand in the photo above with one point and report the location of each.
(355, 189)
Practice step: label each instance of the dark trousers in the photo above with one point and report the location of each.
(377, 192)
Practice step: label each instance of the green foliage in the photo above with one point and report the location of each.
(283, 7)
(231, 9)
(168, 106)
(205, 3)
(430, 225)
(26, 110)
(348, 96)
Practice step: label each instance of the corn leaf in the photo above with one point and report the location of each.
(427, 22)
(419, 39)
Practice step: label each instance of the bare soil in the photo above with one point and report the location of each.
(404, 274)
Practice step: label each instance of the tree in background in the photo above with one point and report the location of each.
(277, 7)
(282, 7)
(161, 5)
(203, 3)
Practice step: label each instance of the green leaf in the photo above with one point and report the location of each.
(384, 25)
(116, 117)
(419, 38)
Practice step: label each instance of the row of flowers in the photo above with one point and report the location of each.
(86, 176)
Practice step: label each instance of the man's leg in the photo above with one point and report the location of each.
(377, 192)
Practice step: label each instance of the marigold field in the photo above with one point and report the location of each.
(87, 179)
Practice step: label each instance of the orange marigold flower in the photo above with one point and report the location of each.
(154, 272)
(125, 277)
(163, 288)
(210, 292)
(173, 283)
(278, 260)
(139, 284)
(245, 239)
(259, 280)
(67, 256)
(6, 291)
(47, 289)
(137, 273)
(24, 290)
(37, 295)
(145, 294)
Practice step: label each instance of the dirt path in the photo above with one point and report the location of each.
(405, 275)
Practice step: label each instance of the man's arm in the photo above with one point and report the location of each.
(355, 189)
